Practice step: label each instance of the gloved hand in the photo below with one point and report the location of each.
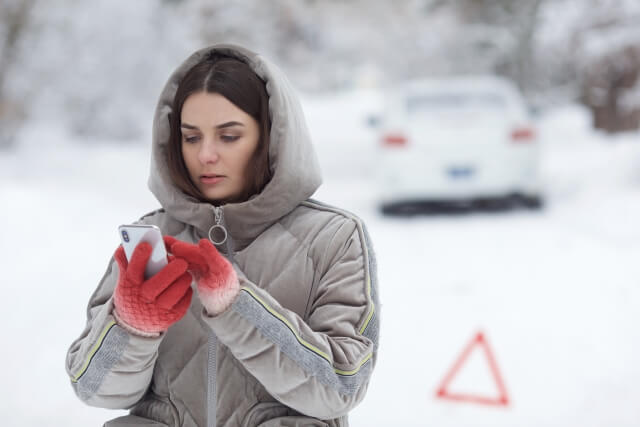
(148, 307)
(217, 280)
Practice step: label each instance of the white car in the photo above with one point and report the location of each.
(463, 141)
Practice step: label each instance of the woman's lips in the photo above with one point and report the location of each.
(211, 179)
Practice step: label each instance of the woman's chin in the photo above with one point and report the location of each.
(215, 194)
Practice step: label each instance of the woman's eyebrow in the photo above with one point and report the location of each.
(220, 126)
(229, 124)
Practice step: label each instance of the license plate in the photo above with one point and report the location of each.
(460, 172)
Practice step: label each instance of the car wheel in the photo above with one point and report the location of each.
(497, 204)
(399, 209)
(532, 202)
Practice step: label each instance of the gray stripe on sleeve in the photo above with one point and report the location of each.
(110, 351)
(280, 334)
(372, 330)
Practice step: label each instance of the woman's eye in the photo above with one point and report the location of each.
(229, 138)
(191, 139)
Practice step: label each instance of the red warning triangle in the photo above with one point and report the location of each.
(501, 399)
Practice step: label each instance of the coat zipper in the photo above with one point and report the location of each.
(218, 227)
(212, 398)
(225, 238)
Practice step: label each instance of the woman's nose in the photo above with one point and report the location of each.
(208, 152)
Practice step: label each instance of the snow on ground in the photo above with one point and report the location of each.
(556, 292)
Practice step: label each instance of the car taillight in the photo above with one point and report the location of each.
(394, 140)
(523, 135)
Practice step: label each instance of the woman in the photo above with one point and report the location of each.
(283, 326)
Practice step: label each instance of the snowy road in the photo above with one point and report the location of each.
(557, 292)
(558, 301)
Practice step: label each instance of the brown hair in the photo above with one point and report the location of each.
(236, 81)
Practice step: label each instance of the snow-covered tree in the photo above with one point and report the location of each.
(15, 25)
(589, 51)
(97, 67)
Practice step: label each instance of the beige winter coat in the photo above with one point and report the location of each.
(298, 345)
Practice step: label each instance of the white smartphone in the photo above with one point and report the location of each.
(133, 234)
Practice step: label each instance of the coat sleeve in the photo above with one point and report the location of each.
(319, 366)
(109, 367)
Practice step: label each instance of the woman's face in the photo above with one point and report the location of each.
(218, 141)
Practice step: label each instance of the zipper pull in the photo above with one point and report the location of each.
(218, 228)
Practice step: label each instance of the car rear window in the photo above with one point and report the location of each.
(454, 101)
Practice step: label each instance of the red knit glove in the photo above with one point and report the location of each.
(217, 280)
(148, 307)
